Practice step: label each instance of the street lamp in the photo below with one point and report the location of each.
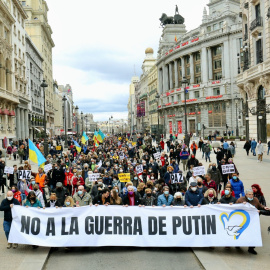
(65, 121)
(238, 60)
(184, 83)
(158, 133)
(236, 116)
(77, 122)
(44, 85)
(82, 121)
(196, 115)
(86, 124)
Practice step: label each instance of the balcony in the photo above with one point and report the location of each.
(256, 26)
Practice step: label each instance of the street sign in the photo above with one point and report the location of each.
(5, 142)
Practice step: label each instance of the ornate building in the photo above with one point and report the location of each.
(8, 95)
(254, 77)
(207, 58)
(38, 28)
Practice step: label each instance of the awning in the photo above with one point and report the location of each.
(37, 129)
(47, 131)
(12, 113)
(5, 112)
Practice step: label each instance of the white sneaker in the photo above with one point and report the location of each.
(258, 161)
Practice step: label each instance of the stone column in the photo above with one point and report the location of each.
(176, 73)
(164, 69)
(160, 81)
(183, 67)
(22, 124)
(210, 64)
(226, 66)
(191, 59)
(18, 123)
(26, 124)
(170, 76)
(223, 60)
(204, 66)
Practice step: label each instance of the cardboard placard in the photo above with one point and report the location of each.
(177, 178)
(124, 177)
(9, 170)
(93, 176)
(227, 169)
(58, 148)
(47, 168)
(198, 170)
(24, 174)
(139, 169)
(157, 155)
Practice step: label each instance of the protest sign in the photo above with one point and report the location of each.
(93, 176)
(208, 225)
(58, 148)
(124, 177)
(121, 155)
(227, 169)
(24, 174)
(176, 178)
(47, 167)
(157, 155)
(198, 170)
(139, 169)
(9, 170)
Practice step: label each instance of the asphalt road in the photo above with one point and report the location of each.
(131, 258)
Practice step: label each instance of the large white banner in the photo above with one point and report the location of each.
(210, 225)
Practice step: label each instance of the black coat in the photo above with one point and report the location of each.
(137, 200)
(227, 200)
(57, 176)
(57, 204)
(154, 167)
(5, 206)
(206, 201)
(61, 195)
(98, 200)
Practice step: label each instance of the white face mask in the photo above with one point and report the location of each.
(152, 177)
(194, 188)
(10, 198)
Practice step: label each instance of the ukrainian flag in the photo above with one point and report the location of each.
(84, 138)
(34, 154)
(100, 136)
(78, 147)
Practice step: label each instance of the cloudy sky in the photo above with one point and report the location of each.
(99, 42)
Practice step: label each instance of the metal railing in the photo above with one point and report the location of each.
(255, 23)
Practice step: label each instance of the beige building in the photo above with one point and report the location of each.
(58, 108)
(39, 30)
(8, 96)
(254, 67)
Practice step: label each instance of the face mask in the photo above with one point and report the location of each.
(35, 189)
(116, 190)
(32, 198)
(136, 178)
(67, 171)
(67, 203)
(199, 183)
(178, 199)
(150, 170)
(250, 199)
(230, 161)
(130, 192)
(156, 189)
(121, 170)
(234, 177)
(152, 177)
(13, 190)
(214, 168)
(33, 182)
(227, 192)
(80, 176)
(193, 188)
(148, 194)
(80, 192)
(166, 192)
(211, 195)
(10, 198)
(52, 201)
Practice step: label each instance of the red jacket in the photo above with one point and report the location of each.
(17, 196)
(211, 184)
(162, 144)
(78, 181)
(68, 179)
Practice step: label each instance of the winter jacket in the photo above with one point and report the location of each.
(215, 175)
(149, 201)
(137, 200)
(227, 200)
(237, 187)
(206, 201)
(184, 155)
(37, 203)
(162, 199)
(253, 144)
(5, 206)
(211, 184)
(260, 149)
(86, 199)
(61, 194)
(255, 202)
(192, 161)
(167, 177)
(193, 197)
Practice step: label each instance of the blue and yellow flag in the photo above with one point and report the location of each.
(100, 136)
(78, 147)
(34, 154)
(84, 138)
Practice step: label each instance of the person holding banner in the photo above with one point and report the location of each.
(193, 196)
(178, 200)
(115, 199)
(165, 199)
(82, 198)
(227, 198)
(132, 198)
(6, 206)
(149, 199)
(210, 197)
(237, 186)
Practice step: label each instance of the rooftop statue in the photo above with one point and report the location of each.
(177, 19)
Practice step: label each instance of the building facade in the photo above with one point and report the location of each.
(207, 58)
(38, 28)
(254, 77)
(34, 74)
(141, 94)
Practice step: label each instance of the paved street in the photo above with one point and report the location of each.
(154, 258)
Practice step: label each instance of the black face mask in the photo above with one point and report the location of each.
(148, 194)
(199, 183)
(35, 189)
(178, 199)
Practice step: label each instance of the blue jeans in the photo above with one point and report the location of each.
(253, 150)
(207, 155)
(268, 150)
(7, 226)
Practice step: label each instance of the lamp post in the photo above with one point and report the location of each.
(184, 83)
(158, 132)
(238, 60)
(44, 85)
(196, 114)
(86, 124)
(77, 122)
(65, 121)
(236, 116)
(82, 121)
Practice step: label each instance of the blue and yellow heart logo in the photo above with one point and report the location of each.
(235, 223)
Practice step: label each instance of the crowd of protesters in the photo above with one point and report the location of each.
(69, 182)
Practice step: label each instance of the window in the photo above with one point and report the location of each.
(208, 28)
(197, 94)
(23, 3)
(217, 50)
(198, 68)
(218, 116)
(172, 99)
(217, 64)
(31, 67)
(198, 79)
(197, 56)
(221, 24)
(216, 91)
(259, 51)
(258, 11)
(187, 60)
(217, 76)
(188, 71)
(15, 49)
(215, 26)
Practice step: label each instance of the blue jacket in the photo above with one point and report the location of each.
(184, 155)
(175, 167)
(238, 188)
(193, 198)
(167, 177)
(253, 144)
(162, 200)
(225, 145)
